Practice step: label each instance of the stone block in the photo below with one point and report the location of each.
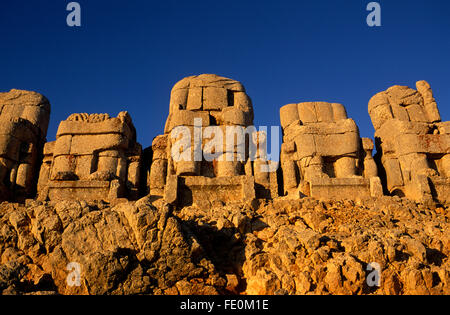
(62, 145)
(49, 148)
(370, 167)
(84, 166)
(288, 147)
(228, 168)
(417, 113)
(194, 189)
(78, 190)
(171, 189)
(445, 166)
(393, 173)
(367, 144)
(345, 167)
(288, 115)
(86, 144)
(215, 98)
(307, 112)
(261, 174)
(444, 128)
(158, 174)
(324, 112)
(134, 170)
(306, 145)
(107, 164)
(9, 147)
(24, 176)
(235, 117)
(379, 99)
(248, 188)
(187, 118)
(187, 168)
(380, 115)
(339, 188)
(430, 144)
(423, 190)
(194, 99)
(105, 127)
(424, 88)
(38, 116)
(289, 174)
(337, 144)
(179, 100)
(403, 95)
(376, 189)
(243, 102)
(441, 189)
(400, 112)
(160, 147)
(339, 112)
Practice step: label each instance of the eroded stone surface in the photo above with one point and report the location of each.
(276, 247)
(132, 248)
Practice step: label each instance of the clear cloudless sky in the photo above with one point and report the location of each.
(127, 55)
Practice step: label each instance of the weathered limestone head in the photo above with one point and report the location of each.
(98, 151)
(413, 144)
(322, 150)
(405, 104)
(24, 119)
(214, 99)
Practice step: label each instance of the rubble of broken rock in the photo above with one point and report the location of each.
(279, 246)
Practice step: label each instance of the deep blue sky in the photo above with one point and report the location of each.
(128, 54)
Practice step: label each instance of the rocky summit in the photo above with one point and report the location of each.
(94, 213)
(266, 247)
